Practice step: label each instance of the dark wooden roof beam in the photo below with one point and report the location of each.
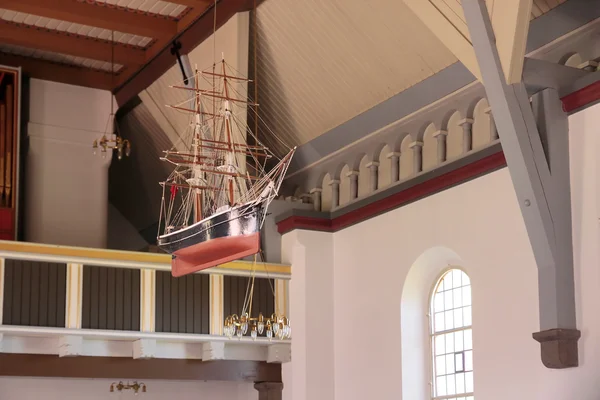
(41, 69)
(97, 16)
(61, 42)
(193, 3)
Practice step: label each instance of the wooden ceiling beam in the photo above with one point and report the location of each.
(161, 58)
(96, 16)
(511, 26)
(203, 4)
(37, 365)
(41, 69)
(61, 42)
(454, 36)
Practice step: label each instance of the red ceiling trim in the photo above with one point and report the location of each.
(582, 97)
(417, 192)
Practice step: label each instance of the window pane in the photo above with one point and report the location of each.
(440, 286)
(467, 316)
(468, 339)
(450, 364)
(469, 382)
(449, 319)
(448, 300)
(440, 365)
(441, 386)
(449, 342)
(466, 295)
(457, 297)
(457, 278)
(450, 385)
(458, 318)
(439, 322)
(458, 361)
(459, 341)
(460, 383)
(469, 360)
(440, 345)
(448, 281)
(438, 302)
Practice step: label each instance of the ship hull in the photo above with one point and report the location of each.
(222, 238)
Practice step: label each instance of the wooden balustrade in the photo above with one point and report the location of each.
(82, 294)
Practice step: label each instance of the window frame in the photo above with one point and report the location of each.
(431, 334)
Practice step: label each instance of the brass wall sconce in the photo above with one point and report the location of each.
(135, 386)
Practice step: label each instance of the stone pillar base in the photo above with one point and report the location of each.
(559, 347)
(269, 390)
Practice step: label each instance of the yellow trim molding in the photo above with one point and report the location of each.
(159, 261)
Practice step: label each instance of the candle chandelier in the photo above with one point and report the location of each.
(276, 326)
(135, 386)
(112, 140)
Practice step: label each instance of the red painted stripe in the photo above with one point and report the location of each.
(581, 97)
(427, 188)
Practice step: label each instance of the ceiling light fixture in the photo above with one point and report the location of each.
(111, 139)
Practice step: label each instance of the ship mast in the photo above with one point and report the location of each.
(197, 143)
(228, 129)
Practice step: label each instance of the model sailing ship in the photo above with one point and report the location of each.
(212, 207)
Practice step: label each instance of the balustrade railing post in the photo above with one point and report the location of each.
(395, 166)
(417, 148)
(73, 303)
(2, 282)
(147, 300)
(216, 304)
(440, 137)
(316, 196)
(467, 125)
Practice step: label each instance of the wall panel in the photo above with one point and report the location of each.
(234, 292)
(182, 304)
(34, 293)
(111, 298)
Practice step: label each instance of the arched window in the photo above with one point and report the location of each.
(452, 337)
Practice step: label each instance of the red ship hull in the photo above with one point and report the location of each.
(214, 252)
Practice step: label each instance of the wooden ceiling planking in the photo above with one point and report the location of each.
(96, 15)
(322, 63)
(352, 56)
(172, 9)
(60, 42)
(70, 74)
(59, 58)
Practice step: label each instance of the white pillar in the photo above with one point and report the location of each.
(353, 176)
(373, 175)
(73, 311)
(217, 319)
(417, 148)
(311, 373)
(316, 195)
(440, 137)
(335, 193)
(66, 200)
(1, 294)
(147, 300)
(467, 125)
(394, 158)
(493, 128)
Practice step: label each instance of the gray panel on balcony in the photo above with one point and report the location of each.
(111, 298)
(182, 304)
(234, 291)
(34, 293)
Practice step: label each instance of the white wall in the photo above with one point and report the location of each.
(477, 225)
(66, 196)
(98, 389)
